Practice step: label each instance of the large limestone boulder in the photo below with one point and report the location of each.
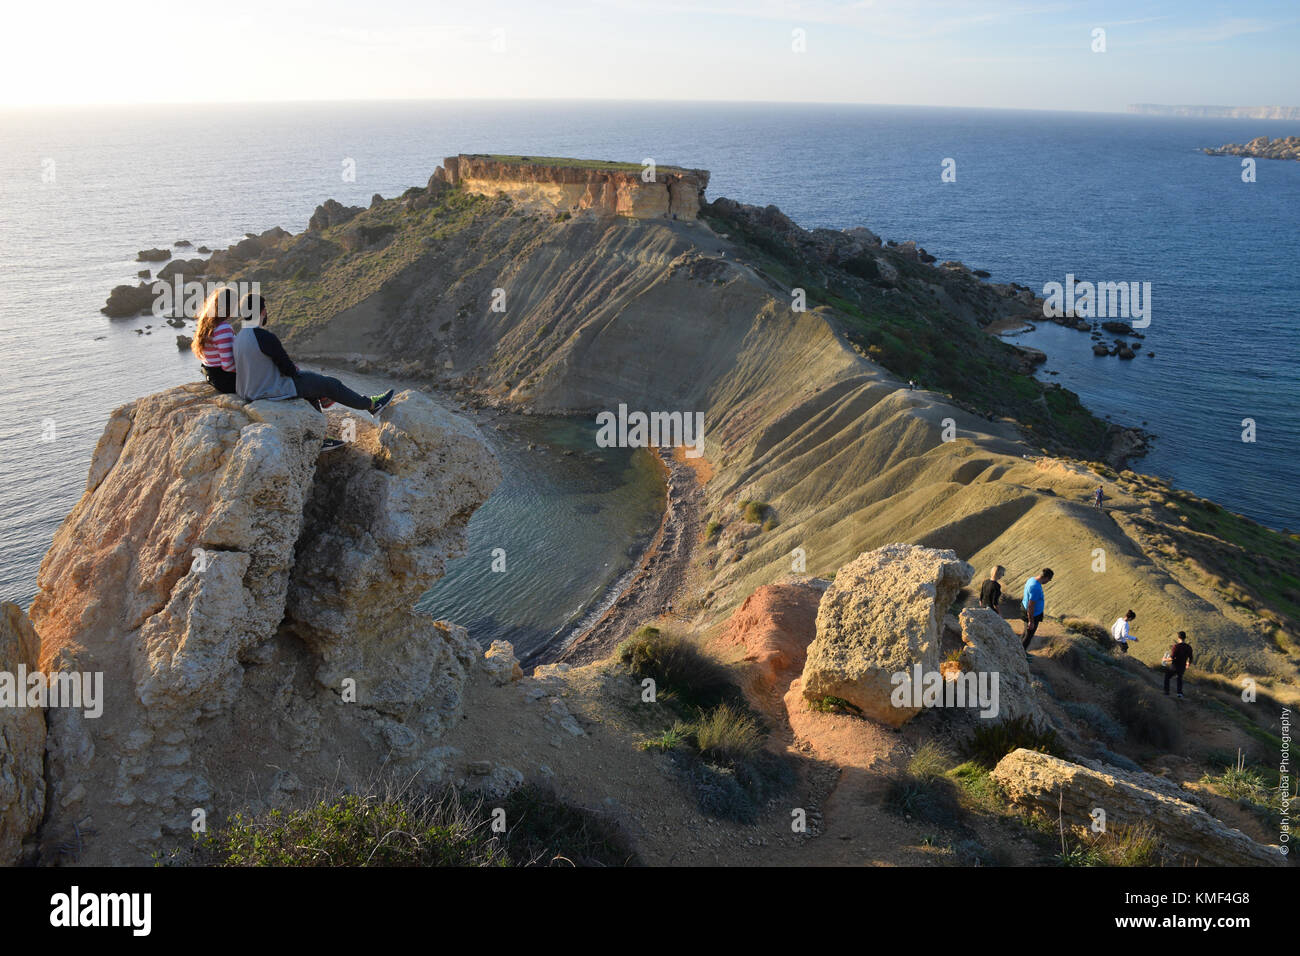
(251, 615)
(22, 739)
(1189, 835)
(990, 647)
(882, 616)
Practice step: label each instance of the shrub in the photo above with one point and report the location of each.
(769, 524)
(1149, 719)
(712, 529)
(672, 738)
(929, 761)
(354, 830)
(1097, 720)
(834, 705)
(1127, 846)
(678, 668)
(546, 831)
(932, 800)
(1090, 629)
(753, 511)
(991, 742)
(403, 828)
(727, 736)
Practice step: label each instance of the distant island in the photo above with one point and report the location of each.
(1218, 112)
(1261, 147)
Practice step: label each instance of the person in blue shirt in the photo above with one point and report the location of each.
(1033, 604)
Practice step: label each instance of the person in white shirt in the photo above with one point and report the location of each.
(1119, 630)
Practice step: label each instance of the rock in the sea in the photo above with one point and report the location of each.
(1100, 349)
(1189, 836)
(204, 251)
(249, 610)
(128, 300)
(153, 255)
(183, 342)
(186, 268)
(881, 617)
(22, 738)
(182, 244)
(142, 274)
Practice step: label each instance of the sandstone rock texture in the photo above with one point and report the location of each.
(882, 615)
(251, 612)
(773, 629)
(22, 741)
(581, 187)
(1189, 835)
(990, 646)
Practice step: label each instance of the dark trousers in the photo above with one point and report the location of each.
(219, 378)
(1171, 673)
(1031, 625)
(313, 386)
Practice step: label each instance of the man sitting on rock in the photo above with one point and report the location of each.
(263, 368)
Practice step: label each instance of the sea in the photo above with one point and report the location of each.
(1031, 197)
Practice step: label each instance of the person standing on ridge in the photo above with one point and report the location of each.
(1177, 661)
(1121, 633)
(991, 590)
(1033, 604)
(1097, 496)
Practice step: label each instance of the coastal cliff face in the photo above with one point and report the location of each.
(568, 186)
(22, 739)
(249, 612)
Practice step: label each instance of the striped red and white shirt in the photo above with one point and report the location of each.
(219, 350)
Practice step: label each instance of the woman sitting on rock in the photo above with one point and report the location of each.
(214, 339)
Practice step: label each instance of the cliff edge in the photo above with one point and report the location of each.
(250, 612)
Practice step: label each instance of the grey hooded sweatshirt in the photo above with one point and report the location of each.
(262, 367)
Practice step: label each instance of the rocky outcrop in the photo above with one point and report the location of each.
(128, 300)
(575, 187)
(990, 646)
(880, 617)
(331, 213)
(1188, 834)
(1261, 147)
(153, 255)
(772, 630)
(250, 613)
(22, 737)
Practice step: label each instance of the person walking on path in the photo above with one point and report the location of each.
(991, 590)
(1121, 633)
(1033, 603)
(1097, 496)
(1177, 661)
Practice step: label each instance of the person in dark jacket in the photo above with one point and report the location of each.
(991, 590)
(264, 370)
(1179, 656)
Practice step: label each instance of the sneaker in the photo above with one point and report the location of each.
(329, 444)
(325, 403)
(380, 402)
(1180, 697)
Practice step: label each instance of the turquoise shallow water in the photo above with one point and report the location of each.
(1111, 197)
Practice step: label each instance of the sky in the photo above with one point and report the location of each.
(1018, 54)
